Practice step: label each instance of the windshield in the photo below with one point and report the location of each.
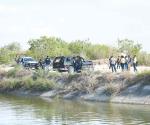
(28, 59)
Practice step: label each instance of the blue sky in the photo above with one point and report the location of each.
(102, 21)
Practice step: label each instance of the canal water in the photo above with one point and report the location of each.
(35, 111)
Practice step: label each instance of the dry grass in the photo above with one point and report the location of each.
(86, 82)
(19, 78)
(2, 74)
(112, 88)
(26, 84)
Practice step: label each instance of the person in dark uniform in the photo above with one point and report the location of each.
(47, 62)
(118, 62)
(40, 63)
(78, 63)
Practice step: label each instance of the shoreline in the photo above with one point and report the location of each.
(86, 97)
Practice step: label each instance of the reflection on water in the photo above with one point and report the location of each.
(35, 111)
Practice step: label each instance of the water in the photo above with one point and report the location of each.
(35, 111)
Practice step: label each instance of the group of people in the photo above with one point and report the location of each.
(123, 62)
(45, 63)
(76, 62)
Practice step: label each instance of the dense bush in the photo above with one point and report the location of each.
(40, 48)
(9, 52)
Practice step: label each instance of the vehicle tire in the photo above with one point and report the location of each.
(71, 70)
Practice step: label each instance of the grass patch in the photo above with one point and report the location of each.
(111, 89)
(54, 74)
(18, 72)
(10, 84)
(12, 73)
(19, 78)
(2, 74)
(144, 73)
(27, 83)
(44, 74)
(39, 84)
(142, 78)
(72, 77)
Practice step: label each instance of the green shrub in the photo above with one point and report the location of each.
(43, 85)
(27, 84)
(10, 84)
(9, 52)
(144, 73)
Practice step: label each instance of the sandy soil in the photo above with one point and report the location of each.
(5, 68)
(105, 68)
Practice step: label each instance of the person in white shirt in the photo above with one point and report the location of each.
(113, 64)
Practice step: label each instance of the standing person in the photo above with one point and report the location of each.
(41, 63)
(74, 63)
(135, 63)
(113, 64)
(18, 60)
(122, 63)
(126, 63)
(110, 62)
(47, 62)
(129, 62)
(78, 63)
(118, 62)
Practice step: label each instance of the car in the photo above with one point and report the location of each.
(68, 64)
(29, 62)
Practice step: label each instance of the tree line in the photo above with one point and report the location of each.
(53, 46)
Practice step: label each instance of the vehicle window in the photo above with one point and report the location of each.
(57, 60)
(68, 59)
(28, 59)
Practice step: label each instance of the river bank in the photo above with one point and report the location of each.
(123, 87)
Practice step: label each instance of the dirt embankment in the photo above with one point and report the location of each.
(118, 88)
(96, 86)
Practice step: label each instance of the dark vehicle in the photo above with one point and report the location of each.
(28, 62)
(68, 64)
